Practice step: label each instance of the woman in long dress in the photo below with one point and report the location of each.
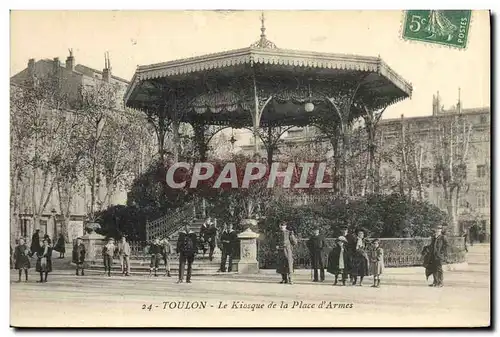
(44, 261)
(60, 246)
(360, 261)
(440, 26)
(338, 260)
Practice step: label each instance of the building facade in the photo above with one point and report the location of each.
(474, 201)
(72, 76)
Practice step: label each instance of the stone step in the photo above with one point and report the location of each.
(160, 273)
(210, 268)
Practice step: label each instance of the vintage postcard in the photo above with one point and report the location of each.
(250, 169)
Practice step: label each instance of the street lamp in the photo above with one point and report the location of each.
(309, 106)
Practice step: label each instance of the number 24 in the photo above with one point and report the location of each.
(416, 23)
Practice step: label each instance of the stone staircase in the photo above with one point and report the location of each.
(140, 263)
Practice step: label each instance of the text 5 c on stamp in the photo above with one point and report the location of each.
(444, 27)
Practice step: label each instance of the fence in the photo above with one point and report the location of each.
(398, 252)
(169, 223)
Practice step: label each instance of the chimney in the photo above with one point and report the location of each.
(436, 104)
(106, 72)
(31, 67)
(70, 61)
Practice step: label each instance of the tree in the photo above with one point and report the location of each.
(119, 159)
(98, 104)
(38, 107)
(70, 178)
(451, 150)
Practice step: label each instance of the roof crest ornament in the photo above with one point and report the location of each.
(263, 41)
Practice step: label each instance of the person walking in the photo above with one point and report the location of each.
(44, 261)
(108, 253)
(166, 251)
(124, 255)
(285, 243)
(316, 245)
(186, 248)
(229, 239)
(60, 246)
(79, 252)
(22, 259)
(376, 262)
(338, 260)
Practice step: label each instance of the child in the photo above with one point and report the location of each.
(338, 260)
(376, 262)
(166, 251)
(22, 260)
(79, 255)
(155, 251)
(107, 254)
(44, 260)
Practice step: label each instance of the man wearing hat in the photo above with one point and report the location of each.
(437, 256)
(108, 252)
(124, 255)
(79, 255)
(338, 260)
(286, 241)
(316, 244)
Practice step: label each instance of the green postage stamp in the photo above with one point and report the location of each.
(445, 27)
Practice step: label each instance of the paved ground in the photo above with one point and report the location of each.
(403, 300)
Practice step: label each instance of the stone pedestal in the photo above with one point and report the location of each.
(93, 245)
(248, 263)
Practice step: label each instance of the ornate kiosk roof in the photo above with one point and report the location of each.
(221, 88)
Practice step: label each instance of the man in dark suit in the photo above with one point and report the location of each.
(186, 248)
(350, 248)
(316, 244)
(229, 240)
(438, 252)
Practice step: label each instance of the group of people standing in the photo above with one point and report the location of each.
(189, 244)
(349, 258)
(353, 257)
(41, 249)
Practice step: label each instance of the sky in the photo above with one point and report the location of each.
(145, 37)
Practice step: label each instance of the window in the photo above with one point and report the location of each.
(43, 227)
(483, 120)
(24, 227)
(482, 200)
(481, 171)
